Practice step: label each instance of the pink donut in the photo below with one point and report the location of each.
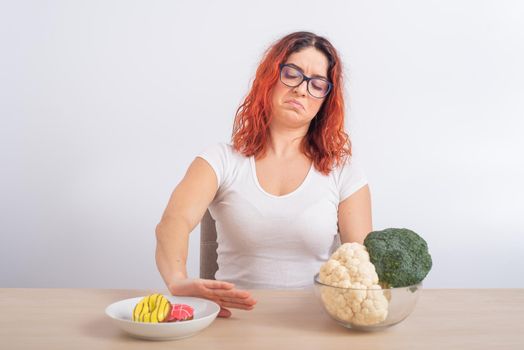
(180, 312)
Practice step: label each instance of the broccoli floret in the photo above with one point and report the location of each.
(400, 256)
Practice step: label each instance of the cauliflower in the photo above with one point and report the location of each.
(350, 267)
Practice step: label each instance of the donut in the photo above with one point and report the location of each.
(153, 308)
(180, 312)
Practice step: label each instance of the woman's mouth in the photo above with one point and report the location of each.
(295, 104)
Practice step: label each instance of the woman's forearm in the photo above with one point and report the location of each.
(171, 250)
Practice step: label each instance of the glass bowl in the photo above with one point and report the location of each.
(367, 309)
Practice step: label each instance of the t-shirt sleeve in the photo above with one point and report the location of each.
(351, 178)
(219, 158)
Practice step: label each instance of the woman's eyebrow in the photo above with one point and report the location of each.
(301, 70)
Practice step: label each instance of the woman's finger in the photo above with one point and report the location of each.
(232, 293)
(224, 313)
(218, 284)
(236, 305)
(248, 301)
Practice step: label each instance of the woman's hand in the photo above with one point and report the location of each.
(222, 293)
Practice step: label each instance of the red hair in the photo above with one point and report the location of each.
(326, 143)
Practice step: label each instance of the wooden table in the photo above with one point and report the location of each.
(292, 319)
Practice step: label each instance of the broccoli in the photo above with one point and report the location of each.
(400, 256)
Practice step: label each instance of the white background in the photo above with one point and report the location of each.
(104, 104)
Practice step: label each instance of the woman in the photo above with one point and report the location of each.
(281, 191)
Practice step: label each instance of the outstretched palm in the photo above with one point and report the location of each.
(223, 293)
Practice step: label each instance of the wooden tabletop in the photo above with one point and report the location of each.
(292, 319)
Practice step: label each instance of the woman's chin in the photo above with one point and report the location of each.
(293, 119)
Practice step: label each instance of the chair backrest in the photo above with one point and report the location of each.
(209, 245)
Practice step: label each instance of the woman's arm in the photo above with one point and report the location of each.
(354, 216)
(184, 211)
(186, 207)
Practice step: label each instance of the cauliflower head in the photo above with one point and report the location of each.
(350, 267)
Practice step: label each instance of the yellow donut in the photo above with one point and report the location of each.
(153, 308)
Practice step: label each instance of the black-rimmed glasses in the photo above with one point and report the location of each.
(293, 77)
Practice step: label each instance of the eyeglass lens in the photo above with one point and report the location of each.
(292, 77)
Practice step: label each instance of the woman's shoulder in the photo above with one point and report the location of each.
(349, 176)
(349, 168)
(224, 148)
(224, 159)
(223, 152)
(344, 164)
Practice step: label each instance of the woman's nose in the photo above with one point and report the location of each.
(301, 88)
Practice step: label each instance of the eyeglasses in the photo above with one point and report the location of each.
(292, 77)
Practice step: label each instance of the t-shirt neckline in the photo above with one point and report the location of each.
(298, 189)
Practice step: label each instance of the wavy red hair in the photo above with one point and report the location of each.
(326, 143)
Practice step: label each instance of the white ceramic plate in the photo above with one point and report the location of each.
(205, 312)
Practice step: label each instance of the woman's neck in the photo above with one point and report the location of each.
(285, 143)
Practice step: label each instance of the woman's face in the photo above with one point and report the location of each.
(294, 106)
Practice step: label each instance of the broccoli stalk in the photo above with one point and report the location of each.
(400, 256)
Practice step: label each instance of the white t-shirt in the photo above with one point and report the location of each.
(267, 241)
